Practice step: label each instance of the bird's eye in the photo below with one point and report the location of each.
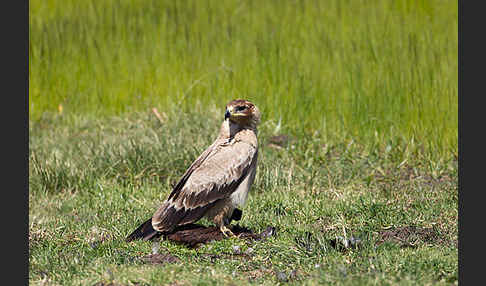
(240, 108)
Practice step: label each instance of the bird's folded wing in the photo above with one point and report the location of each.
(211, 150)
(213, 176)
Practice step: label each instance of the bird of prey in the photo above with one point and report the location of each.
(217, 182)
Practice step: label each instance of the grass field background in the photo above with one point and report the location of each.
(366, 91)
(373, 71)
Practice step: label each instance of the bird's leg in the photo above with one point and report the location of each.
(222, 221)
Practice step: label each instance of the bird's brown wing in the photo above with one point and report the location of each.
(215, 175)
(145, 230)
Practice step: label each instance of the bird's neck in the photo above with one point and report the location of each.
(230, 129)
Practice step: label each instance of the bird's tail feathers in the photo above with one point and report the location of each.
(145, 231)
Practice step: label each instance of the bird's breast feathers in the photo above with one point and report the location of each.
(238, 197)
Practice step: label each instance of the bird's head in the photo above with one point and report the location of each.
(243, 113)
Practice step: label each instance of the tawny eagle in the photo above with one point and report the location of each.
(217, 182)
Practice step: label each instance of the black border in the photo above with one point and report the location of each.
(470, 219)
(460, 223)
(15, 139)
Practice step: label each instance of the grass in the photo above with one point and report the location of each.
(366, 92)
(375, 71)
(93, 180)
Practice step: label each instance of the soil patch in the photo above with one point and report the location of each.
(101, 283)
(410, 236)
(193, 235)
(158, 258)
(281, 140)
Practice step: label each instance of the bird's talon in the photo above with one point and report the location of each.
(227, 232)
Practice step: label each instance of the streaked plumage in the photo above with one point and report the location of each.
(217, 182)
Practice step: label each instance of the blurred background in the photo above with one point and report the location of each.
(369, 71)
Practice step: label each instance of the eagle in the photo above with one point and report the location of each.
(217, 182)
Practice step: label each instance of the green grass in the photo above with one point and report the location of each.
(366, 90)
(93, 180)
(368, 70)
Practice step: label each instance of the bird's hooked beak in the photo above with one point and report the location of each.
(227, 114)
